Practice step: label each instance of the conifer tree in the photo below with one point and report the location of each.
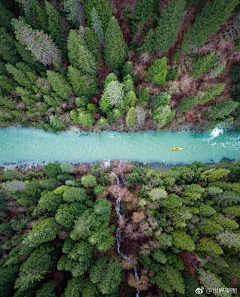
(75, 10)
(54, 24)
(97, 25)
(169, 24)
(144, 9)
(78, 54)
(59, 84)
(8, 51)
(158, 71)
(5, 17)
(38, 43)
(203, 64)
(131, 118)
(208, 22)
(24, 79)
(92, 43)
(167, 29)
(103, 8)
(83, 85)
(115, 49)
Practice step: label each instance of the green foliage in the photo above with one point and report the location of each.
(157, 73)
(232, 211)
(203, 64)
(161, 115)
(34, 268)
(54, 24)
(82, 84)
(207, 23)
(106, 274)
(157, 194)
(78, 54)
(210, 280)
(50, 201)
(38, 43)
(222, 110)
(169, 25)
(187, 103)
(6, 16)
(88, 181)
(103, 9)
(59, 84)
(183, 241)
(206, 210)
(131, 118)
(24, 79)
(52, 169)
(209, 246)
(229, 239)
(115, 49)
(114, 91)
(47, 290)
(210, 227)
(211, 92)
(214, 174)
(75, 10)
(93, 43)
(43, 231)
(82, 117)
(143, 10)
(8, 51)
(74, 194)
(169, 280)
(97, 26)
(8, 275)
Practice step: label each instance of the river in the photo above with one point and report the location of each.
(27, 145)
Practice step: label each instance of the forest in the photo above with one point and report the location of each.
(120, 65)
(179, 227)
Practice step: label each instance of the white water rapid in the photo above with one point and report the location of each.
(118, 232)
(216, 132)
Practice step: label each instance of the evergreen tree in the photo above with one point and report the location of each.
(5, 17)
(92, 43)
(187, 103)
(203, 64)
(26, 79)
(143, 10)
(8, 50)
(47, 290)
(82, 84)
(34, 268)
(157, 73)
(106, 274)
(79, 56)
(168, 27)
(207, 23)
(75, 10)
(115, 49)
(131, 118)
(54, 24)
(38, 43)
(59, 84)
(97, 25)
(103, 9)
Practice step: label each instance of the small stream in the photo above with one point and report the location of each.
(118, 232)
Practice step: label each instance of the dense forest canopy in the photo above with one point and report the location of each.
(124, 65)
(180, 227)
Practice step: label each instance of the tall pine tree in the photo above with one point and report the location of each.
(75, 10)
(59, 84)
(208, 22)
(38, 43)
(103, 8)
(97, 25)
(115, 49)
(79, 56)
(8, 50)
(54, 24)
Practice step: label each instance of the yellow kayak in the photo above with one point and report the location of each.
(176, 148)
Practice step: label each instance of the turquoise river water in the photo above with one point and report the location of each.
(27, 145)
